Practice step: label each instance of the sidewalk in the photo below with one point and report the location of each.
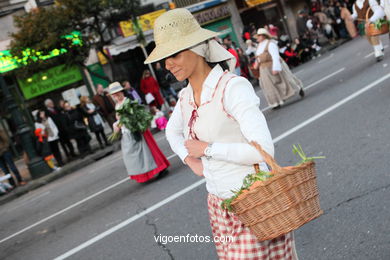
(68, 168)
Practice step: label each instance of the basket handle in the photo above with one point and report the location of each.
(267, 158)
(368, 11)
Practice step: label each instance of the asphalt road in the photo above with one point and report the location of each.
(97, 213)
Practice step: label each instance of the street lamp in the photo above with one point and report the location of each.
(37, 166)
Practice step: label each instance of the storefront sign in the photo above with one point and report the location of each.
(252, 3)
(49, 80)
(145, 21)
(205, 5)
(224, 27)
(212, 14)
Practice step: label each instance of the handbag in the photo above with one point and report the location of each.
(149, 98)
(79, 126)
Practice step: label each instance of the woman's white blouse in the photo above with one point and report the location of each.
(273, 50)
(243, 104)
(375, 6)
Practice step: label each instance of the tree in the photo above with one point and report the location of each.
(43, 29)
(96, 18)
(42, 33)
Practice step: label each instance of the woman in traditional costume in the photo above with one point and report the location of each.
(215, 118)
(375, 12)
(142, 156)
(276, 80)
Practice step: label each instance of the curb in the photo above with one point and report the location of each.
(65, 170)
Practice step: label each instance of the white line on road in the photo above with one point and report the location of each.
(63, 210)
(372, 53)
(193, 186)
(326, 58)
(314, 83)
(300, 71)
(324, 78)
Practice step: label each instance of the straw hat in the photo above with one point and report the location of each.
(174, 31)
(263, 31)
(115, 87)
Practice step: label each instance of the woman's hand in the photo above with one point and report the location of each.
(195, 148)
(116, 127)
(275, 72)
(195, 164)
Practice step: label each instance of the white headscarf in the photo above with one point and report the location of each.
(212, 51)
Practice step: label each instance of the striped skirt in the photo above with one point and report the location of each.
(234, 241)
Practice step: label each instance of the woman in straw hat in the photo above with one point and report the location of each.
(143, 159)
(276, 79)
(215, 118)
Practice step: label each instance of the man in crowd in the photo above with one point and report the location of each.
(130, 92)
(6, 161)
(106, 104)
(59, 121)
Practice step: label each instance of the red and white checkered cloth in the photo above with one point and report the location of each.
(245, 245)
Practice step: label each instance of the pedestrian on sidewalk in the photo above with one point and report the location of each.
(43, 149)
(107, 106)
(55, 114)
(162, 79)
(131, 92)
(95, 121)
(6, 161)
(47, 124)
(78, 129)
(143, 159)
(276, 80)
(220, 150)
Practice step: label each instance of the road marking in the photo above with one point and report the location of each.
(63, 210)
(313, 84)
(193, 186)
(300, 71)
(372, 53)
(326, 58)
(324, 78)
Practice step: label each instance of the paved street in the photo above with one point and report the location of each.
(97, 213)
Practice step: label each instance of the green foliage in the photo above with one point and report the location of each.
(40, 32)
(297, 150)
(42, 28)
(379, 23)
(134, 117)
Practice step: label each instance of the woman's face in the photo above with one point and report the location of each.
(42, 114)
(182, 65)
(260, 38)
(118, 96)
(66, 106)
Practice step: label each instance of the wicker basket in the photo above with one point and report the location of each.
(282, 203)
(371, 30)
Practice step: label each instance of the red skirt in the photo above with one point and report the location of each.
(234, 241)
(159, 158)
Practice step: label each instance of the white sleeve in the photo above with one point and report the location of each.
(174, 133)
(274, 51)
(241, 102)
(53, 126)
(378, 11)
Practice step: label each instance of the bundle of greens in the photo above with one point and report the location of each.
(379, 23)
(260, 176)
(134, 117)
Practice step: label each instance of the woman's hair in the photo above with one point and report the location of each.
(144, 73)
(38, 115)
(83, 100)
